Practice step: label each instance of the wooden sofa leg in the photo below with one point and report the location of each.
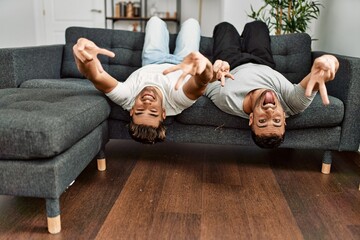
(101, 161)
(101, 164)
(53, 215)
(326, 165)
(54, 224)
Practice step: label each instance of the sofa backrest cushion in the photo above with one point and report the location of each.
(292, 52)
(292, 55)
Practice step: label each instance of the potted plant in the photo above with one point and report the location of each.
(287, 16)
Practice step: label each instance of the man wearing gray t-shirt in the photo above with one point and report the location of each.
(258, 92)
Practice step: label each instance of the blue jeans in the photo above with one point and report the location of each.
(156, 44)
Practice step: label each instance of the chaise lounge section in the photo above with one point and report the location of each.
(47, 138)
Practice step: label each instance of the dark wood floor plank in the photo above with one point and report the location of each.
(325, 206)
(132, 214)
(252, 206)
(175, 226)
(182, 188)
(21, 217)
(224, 215)
(221, 165)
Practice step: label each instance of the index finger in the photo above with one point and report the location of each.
(226, 75)
(229, 75)
(171, 69)
(106, 52)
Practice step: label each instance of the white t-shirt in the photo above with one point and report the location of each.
(251, 76)
(174, 101)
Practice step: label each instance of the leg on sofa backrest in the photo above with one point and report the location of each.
(101, 161)
(53, 215)
(326, 162)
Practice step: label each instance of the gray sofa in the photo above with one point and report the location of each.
(53, 122)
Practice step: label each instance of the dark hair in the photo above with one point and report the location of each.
(269, 141)
(147, 134)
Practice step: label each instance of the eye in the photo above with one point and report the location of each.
(262, 120)
(277, 120)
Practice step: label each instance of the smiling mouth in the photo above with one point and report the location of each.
(148, 96)
(268, 99)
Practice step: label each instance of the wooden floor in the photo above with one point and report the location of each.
(185, 191)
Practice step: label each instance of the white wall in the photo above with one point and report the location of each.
(338, 27)
(17, 23)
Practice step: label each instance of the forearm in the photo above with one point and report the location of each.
(101, 80)
(196, 85)
(105, 82)
(205, 77)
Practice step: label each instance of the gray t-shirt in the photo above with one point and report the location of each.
(174, 101)
(249, 77)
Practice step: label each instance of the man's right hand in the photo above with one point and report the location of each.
(194, 64)
(85, 53)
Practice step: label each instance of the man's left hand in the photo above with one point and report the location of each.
(221, 71)
(322, 71)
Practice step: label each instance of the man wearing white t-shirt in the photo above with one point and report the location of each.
(165, 85)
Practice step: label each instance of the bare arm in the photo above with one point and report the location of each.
(85, 54)
(201, 71)
(323, 70)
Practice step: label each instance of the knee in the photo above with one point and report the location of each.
(191, 22)
(155, 23)
(257, 25)
(155, 20)
(224, 26)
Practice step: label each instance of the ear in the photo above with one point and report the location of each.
(163, 114)
(131, 112)
(284, 119)
(251, 119)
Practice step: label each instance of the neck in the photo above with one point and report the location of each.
(250, 99)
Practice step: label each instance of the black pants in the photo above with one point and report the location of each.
(252, 46)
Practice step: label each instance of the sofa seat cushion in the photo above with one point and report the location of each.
(63, 83)
(41, 123)
(205, 113)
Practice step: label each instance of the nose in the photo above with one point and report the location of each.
(147, 101)
(269, 110)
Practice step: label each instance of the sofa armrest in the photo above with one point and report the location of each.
(346, 86)
(21, 64)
